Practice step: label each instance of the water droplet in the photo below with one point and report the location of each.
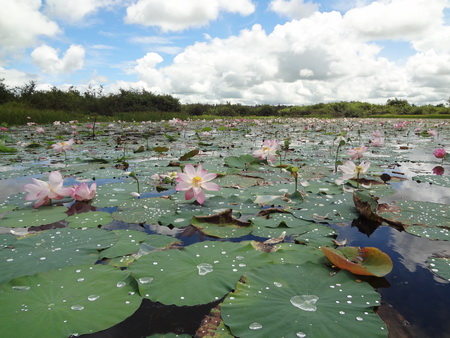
(359, 319)
(77, 307)
(93, 297)
(204, 268)
(341, 312)
(145, 280)
(80, 279)
(20, 288)
(301, 334)
(255, 326)
(277, 284)
(121, 284)
(305, 302)
(43, 258)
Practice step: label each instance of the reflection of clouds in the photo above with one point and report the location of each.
(12, 186)
(163, 230)
(416, 250)
(424, 192)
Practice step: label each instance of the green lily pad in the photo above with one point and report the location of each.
(240, 181)
(34, 217)
(424, 219)
(6, 240)
(440, 266)
(128, 243)
(53, 249)
(147, 210)
(92, 219)
(70, 301)
(198, 274)
(302, 301)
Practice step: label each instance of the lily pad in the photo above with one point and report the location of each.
(198, 274)
(424, 219)
(53, 249)
(6, 240)
(222, 225)
(34, 217)
(302, 301)
(367, 261)
(68, 301)
(93, 219)
(147, 210)
(440, 266)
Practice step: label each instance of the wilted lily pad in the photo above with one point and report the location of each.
(69, 301)
(367, 261)
(222, 225)
(302, 301)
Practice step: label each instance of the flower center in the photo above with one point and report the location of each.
(196, 181)
(359, 169)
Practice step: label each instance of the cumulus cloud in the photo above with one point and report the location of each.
(47, 59)
(21, 24)
(14, 77)
(396, 19)
(75, 11)
(301, 62)
(293, 9)
(178, 15)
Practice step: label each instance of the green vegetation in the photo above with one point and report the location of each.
(20, 105)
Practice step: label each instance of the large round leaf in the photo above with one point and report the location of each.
(91, 219)
(302, 301)
(198, 274)
(34, 217)
(53, 249)
(69, 301)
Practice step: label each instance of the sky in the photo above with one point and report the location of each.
(289, 52)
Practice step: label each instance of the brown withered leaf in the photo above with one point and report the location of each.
(222, 218)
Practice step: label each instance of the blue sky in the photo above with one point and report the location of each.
(240, 51)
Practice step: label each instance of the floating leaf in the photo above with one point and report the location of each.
(34, 217)
(221, 225)
(189, 155)
(291, 300)
(440, 266)
(367, 261)
(69, 301)
(53, 249)
(198, 274)
(91, 219)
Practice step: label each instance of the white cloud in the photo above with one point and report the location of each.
(14, 77)
(293, 9)
(21, 24)
(47, 59)
(396, 19)
(316, 59)
(75, 11)
(178, 15)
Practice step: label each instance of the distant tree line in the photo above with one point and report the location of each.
(94, 101)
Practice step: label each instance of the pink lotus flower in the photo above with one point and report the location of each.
(193, 181)
(3, 129)
(83, 192)
(63, 146)
(432, 132)
(44, 192)
(268, 151)
(357, 152)
(376, 142)
(440, 153)
(40, 130)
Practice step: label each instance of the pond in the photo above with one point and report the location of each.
(139, 259)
